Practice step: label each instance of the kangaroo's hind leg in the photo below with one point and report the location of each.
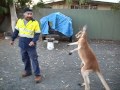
(85, 75)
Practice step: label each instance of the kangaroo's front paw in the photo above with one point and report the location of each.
(83, 84)
(68, 45)
(70, 53)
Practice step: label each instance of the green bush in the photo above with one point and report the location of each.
(3, 10)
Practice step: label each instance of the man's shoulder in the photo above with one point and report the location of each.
(36, 21)
(20, 19)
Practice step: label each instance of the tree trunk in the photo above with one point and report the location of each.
(13, 16)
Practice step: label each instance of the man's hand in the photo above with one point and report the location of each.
(11, 42)
(31, 43)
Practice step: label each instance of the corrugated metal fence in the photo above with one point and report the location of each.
(101, 24)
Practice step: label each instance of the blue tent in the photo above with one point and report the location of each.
(60, 23)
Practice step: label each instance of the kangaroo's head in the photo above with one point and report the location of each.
(82, 33)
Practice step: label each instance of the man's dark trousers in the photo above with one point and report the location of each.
(29, 55)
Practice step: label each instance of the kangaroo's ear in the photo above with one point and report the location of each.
(78, 34)
(84, 27)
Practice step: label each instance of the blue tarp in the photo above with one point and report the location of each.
(60, 23)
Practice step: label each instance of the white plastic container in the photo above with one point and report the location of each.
(50, 45)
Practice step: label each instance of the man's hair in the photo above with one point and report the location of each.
(27, 9)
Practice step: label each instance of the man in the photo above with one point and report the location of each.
(28, 30)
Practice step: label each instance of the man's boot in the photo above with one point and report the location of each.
(38, 79)
(25, 74)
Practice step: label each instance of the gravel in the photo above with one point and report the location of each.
(59, 70)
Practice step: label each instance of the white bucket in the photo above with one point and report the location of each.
(50, 45)
(7, 37)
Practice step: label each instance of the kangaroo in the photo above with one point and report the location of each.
(88, 58)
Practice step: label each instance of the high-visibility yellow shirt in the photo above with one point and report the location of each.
(29, 29)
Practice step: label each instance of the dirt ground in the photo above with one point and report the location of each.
(59, 70)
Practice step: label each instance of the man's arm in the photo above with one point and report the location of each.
(36, 35)
(37, 32)
(15, 34)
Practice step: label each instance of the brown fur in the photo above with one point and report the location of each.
(87, 55)
(89, 60)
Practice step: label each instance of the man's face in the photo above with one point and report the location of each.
(28, 15)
